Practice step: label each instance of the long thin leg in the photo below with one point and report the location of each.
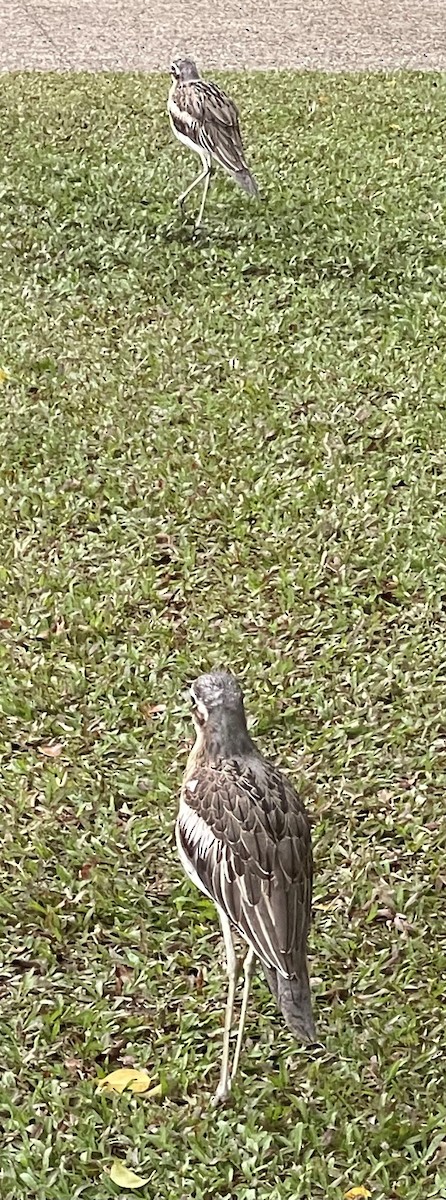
(224, 1086)
(199, 178)
(205, 192)
(248, 970)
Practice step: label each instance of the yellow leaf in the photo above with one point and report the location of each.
(357, 1193)
(155, 1091)
(3, 376)
(127, 1079)
(124, 1178)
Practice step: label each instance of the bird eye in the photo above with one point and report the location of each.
(198, 715)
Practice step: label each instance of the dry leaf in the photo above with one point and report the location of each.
(3, 376)
(357, 1193)
(402, 925)
(152, 710)
(125, 1079)
(85, 870)
(155, 1091)
(124, 1178)
(122, 975)
(5, 623)
(52, 751)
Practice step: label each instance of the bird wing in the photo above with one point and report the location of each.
(247, 840)
(203, 113)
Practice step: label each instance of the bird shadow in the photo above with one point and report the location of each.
(186, 234)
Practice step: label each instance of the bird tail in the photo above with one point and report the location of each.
(246, 181)
(294, 1000)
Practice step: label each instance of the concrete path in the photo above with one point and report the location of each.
(144, 35)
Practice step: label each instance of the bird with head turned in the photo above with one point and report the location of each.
(243, 836)
(206, 120)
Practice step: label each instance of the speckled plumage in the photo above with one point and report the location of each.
(244, 838)
(204, 118)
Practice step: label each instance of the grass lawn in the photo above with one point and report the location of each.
(228, 450)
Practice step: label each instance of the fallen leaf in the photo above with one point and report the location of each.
(155, 1091)
(3, 376)
(124, 1178)
(402, 925)
(357, 1193)
(125, 1079)
(152, 710)
(123, 975)
(52, 751)
(85, 870)
(5, 623)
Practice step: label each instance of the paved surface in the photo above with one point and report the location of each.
(144, 35)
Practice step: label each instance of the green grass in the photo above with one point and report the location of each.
(224, 450)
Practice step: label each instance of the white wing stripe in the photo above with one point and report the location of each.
(197, 832)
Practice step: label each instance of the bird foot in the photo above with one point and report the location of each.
(222, 1094)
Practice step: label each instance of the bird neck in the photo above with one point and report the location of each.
(225, 738)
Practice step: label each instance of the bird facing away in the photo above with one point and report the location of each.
(243, 837)
(206, 120)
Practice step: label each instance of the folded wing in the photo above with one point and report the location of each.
(203, 113)
(248, 844)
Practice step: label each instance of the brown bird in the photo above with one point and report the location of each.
(205, 119)
(243, 836)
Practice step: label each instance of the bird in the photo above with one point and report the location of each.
(204, 118)
(243, 837)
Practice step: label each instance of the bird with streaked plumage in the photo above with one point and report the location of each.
(204, 118)
(243, 837)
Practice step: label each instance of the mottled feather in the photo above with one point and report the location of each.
(208, 118)
(258, 866)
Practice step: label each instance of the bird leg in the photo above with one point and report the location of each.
(232, 964)
(248, 970)
(198, 179)
(205, 192)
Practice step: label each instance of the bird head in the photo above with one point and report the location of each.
(215, 692)
(184, 69)
(218, 714)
